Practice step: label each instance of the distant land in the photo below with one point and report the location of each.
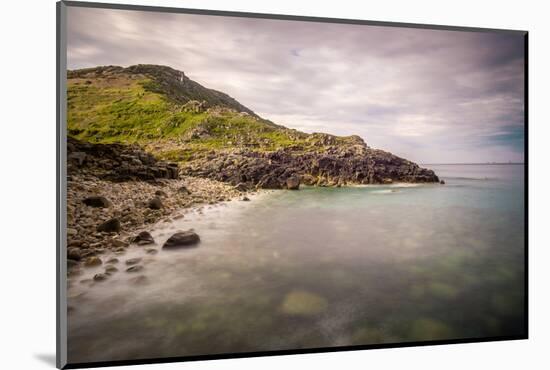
(473, 164)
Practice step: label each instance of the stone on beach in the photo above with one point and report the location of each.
(155, 203)
(134, 268)
(74, 254)
(133, 261)
(112, 225)
(183, 189)
(110, 269)
(117, 243)
(92, 261)
(293, 183)
(182, 239)
(160, 193)
(144, 238)
(100, 277)
(97, 201)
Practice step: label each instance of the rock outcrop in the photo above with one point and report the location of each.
(285, 169)
(116, 162)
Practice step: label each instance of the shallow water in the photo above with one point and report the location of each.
(320, 267)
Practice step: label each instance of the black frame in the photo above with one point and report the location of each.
(61, 186)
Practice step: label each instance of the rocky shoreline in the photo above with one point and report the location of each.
(112, 200)
(334, 164)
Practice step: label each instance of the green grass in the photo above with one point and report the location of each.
(129, 109)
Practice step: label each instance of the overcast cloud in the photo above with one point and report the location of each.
(427, 95)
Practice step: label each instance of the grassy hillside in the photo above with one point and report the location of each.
(153, 106)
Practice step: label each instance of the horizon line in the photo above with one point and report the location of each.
(472, 163)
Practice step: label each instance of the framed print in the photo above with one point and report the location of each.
(235, 184)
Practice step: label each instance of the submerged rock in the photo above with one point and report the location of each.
(302, 303)
(182, 239)
(134, 268)
(112, 261)
(133, 261)
(110, 269)
(100, 277)
(139, 280)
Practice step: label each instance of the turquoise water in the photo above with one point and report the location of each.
(321, 267)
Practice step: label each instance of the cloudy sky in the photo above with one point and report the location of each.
(427, 95)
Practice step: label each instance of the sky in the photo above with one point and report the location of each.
(430, 96)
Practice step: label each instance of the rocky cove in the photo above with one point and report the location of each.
(115, 192)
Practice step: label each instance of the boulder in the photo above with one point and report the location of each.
(442, 182)
(109, 226)
(182, 239)
(97, 201)
(293, 183)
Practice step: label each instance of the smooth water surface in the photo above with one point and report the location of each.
(320, 267)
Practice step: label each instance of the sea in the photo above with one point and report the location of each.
(318, 268)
